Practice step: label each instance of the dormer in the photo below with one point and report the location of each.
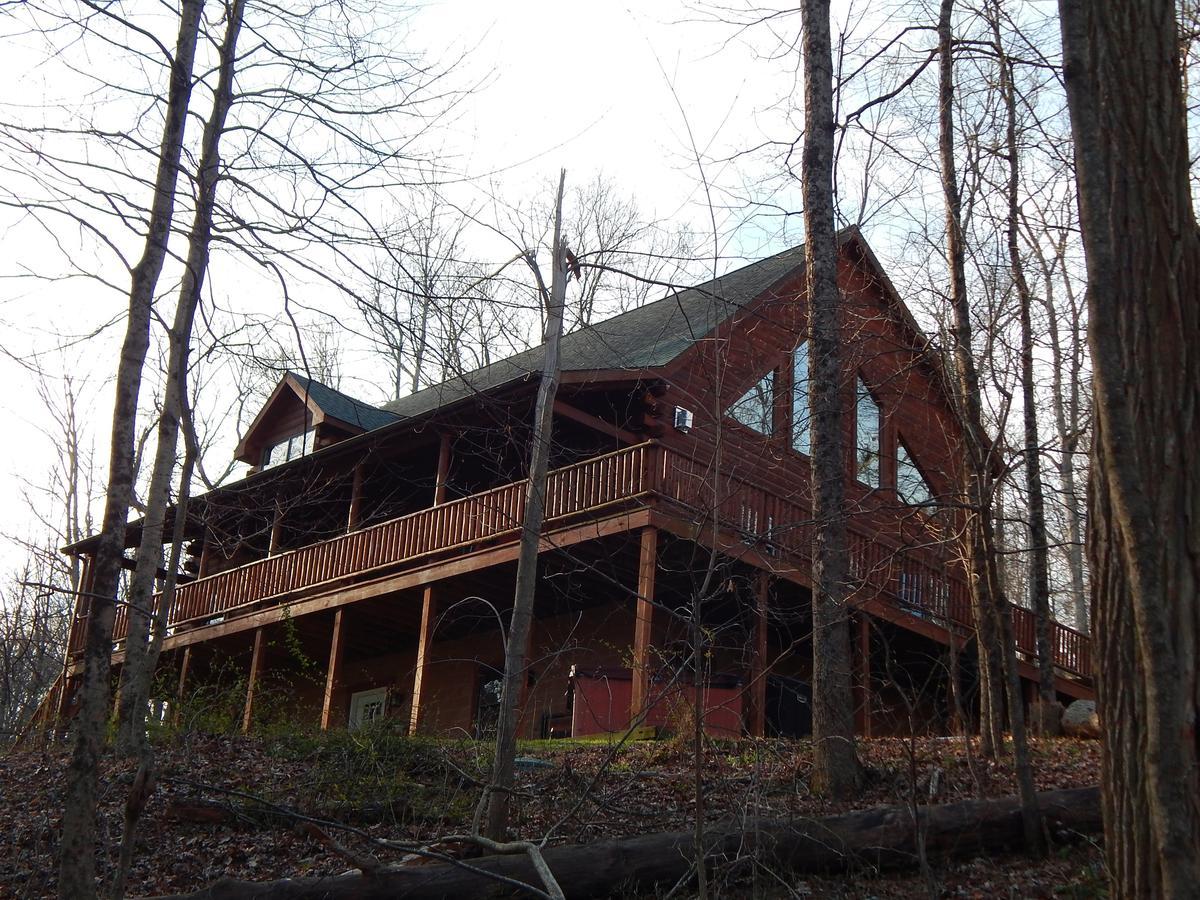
(303, 415)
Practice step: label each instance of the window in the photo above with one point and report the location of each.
(911, 485)
(755, 408)
(867, 455)
(289, 448)
(801, 416)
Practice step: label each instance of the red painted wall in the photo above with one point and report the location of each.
(601, 705)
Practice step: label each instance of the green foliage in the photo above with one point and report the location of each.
(379, 771)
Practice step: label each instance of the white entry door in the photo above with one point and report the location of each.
(367, 706)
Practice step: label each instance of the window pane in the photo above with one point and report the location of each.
(910, 483)
(868, 437)
(801, 426)
(754, 408)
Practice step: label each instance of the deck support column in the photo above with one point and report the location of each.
(424, 642)
(428, 598)
(333, 674)
(205, 555)
(862, 677)
(443, 470)
(184, 665)
(276, 529)
(355, 514)
(643, 623)
(756, 712)
(255, 670)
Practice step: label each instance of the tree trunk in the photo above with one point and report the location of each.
(1128, 116)
(883, 838)
(531, 530)
(77, 868)
(1066, 404)
(975, 475)
(138, 670)
(1039, 567)
(836, 768)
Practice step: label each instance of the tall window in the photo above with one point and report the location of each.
(867, 457)
(755, 408)
(801, 424)
(910, 483)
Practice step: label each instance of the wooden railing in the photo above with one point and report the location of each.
(476, 519)
(915, 579)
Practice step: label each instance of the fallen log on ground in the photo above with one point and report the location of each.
(880, 838)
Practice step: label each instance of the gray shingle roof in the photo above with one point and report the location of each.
(344, 407)
(644, 338)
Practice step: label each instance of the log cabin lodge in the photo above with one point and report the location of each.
(367, 560)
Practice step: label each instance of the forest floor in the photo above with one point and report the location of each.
(223, 806)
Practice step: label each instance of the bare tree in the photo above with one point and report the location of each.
(140, 660)
(76, 873)
(836, 766)
(1048, 709)
(552, 298)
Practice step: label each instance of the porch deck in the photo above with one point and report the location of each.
(915, 582)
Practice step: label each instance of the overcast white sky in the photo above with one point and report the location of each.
(592, 87)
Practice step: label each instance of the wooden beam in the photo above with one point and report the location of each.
(756, 712)
(276, 529)
(255, 669)
(424, 643)
(443, 470)
(333, 673)
(184, 666)
(355, 514)
(643, 623)
(205, 555)
(567, 411)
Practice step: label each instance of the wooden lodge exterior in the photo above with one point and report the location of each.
(367, 559)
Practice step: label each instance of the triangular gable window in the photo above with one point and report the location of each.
(867, 457)
(911, 485)
(755, 408)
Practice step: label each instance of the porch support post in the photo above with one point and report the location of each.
(643, 624)
(756, 714)
(424, 641)
(862, 680)
(333, 674)
(355, 514)
(184, 666)
(205, 555)
(255, 669)
(443, 470)
(276, 529)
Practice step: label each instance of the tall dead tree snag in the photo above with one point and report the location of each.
(552, 299)
(77, 867)
(1128, 116)
(140, 658)
(837, 770)
(993, 616)
(1047, 711)
(975, 475)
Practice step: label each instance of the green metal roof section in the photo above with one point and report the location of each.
(344, 407)
(648, 337)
